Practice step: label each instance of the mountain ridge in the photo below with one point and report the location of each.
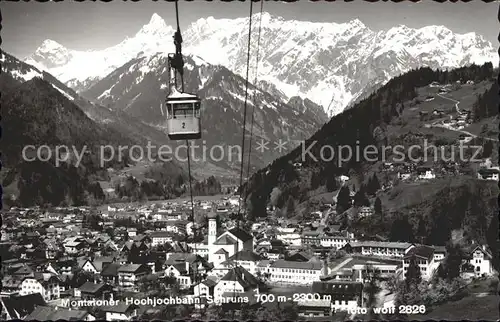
(139, 87)
(324, 62)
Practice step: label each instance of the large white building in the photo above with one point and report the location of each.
(289, 272)
(355, 268)
(377, 248)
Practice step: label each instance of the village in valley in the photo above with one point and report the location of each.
(154, 260)
(149, 261)
(275, 223)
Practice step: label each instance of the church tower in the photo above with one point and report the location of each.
(212, 228)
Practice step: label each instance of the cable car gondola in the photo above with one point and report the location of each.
(183, 116)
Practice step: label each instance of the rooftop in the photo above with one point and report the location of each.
(297, 265)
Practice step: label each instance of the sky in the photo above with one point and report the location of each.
(98, 25)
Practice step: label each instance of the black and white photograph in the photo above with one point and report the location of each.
(249, 160)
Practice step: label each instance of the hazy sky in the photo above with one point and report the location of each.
(97, 25)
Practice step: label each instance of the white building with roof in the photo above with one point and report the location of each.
(246, 259)
(480, 259)
(424, 257)
(290, 272)
(221, 247)
(237, 284)
(377, 248)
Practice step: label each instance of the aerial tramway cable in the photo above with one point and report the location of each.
(243, 139)
(179, 64)
(254, 93)
(245, 111)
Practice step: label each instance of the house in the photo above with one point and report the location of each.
(52, 248)
(177, 226)
(314, 308)
(246, 259)
(288, 272)
(120, 312)
(65, 265)
(425, 173)
(488, 174)
(238, 282)
(424, 257)
(404, 175)
(46, 284)
(101, 262)
(18, 307)
(11, 285)
(161, 237)
(74, 244)
(184, 267)
(87, 266)
(365, 212)
(48, 313)
(234, 201)
(132, 232)
(130, 274)
(110, 273)
(480, 259)
(340, 275)
(135, 247)
(22, 270)
(275, 254)
(99, 291)
(439, 253)
(204, 290)
(290, 236)
(344, 295)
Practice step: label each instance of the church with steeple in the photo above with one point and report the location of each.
(218, 247)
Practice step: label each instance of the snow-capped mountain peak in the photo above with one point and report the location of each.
(156, 26)
(332, 64)
(50, 54)
(50, 45)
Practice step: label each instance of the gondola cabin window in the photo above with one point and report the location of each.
(183, 110)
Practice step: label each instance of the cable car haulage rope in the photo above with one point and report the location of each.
(183, 109)
(183, 116)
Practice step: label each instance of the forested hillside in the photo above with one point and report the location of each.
(456, 204)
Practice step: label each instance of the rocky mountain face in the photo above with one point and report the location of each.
(139, 87)
(40, 110)
(332, 64)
